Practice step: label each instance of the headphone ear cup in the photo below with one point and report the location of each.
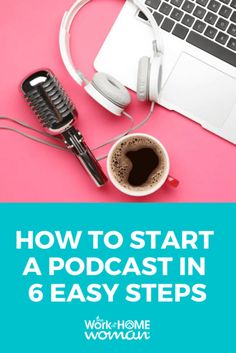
(155, 78)
(111, 89)
(109, 93)
(143, 79)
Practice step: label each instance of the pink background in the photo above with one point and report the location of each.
(204, 163)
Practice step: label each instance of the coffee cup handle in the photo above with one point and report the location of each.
(171, 181)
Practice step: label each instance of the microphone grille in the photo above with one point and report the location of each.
(48, 100)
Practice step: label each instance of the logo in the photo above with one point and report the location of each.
(125, 330)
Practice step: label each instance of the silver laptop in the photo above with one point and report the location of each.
(199, 63)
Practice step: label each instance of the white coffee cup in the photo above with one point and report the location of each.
(132, 191)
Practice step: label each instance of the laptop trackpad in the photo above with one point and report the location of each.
(200, 91)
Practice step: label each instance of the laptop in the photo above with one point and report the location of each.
(199, 61)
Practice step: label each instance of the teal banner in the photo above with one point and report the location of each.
(157, 278)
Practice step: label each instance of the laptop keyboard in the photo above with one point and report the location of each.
(209, 25)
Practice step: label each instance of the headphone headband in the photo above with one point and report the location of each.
(64, 37)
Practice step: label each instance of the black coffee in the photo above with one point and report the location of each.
(138, 174)
(138, 163)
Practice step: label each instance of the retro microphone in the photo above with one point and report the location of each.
(57, 114)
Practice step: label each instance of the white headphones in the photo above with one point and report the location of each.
(103, 88)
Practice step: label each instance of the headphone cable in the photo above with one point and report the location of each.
(133, 128)
(31, 137)
(62, 148)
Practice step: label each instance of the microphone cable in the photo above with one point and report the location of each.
(57, 139)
